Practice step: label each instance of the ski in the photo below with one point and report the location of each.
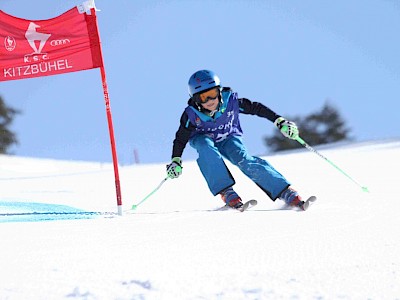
(249, 204)
(306, 204)
(246, 205)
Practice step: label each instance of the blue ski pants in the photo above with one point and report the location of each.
(218, 177)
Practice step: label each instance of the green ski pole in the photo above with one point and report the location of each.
(134, 206)
(302, 142)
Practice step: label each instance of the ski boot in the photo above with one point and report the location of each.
(231, 199)
(292, 198)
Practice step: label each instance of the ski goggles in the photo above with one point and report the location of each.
(208, 95)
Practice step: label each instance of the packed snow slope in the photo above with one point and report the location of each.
(61, 239)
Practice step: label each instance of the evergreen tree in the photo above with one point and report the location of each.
(7, 137)
(323, 127)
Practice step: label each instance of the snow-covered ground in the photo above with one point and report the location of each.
(56, 245)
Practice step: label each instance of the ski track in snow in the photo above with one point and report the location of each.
(61, 238)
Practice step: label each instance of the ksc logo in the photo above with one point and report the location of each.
(9, 43)
(33, 36)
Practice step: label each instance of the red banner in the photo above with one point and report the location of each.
(67, 43)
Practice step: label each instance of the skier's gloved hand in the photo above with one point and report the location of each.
(288, 129)
(174, 169)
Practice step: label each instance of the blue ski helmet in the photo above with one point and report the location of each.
(202, 80)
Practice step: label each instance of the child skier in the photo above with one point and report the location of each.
(210, 123)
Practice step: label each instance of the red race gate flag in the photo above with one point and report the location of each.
(35, 48)
(67, 43)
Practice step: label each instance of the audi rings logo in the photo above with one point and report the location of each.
(10, 43)
(55, 43)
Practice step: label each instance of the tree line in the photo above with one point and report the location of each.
(7, 137)
(321, 127)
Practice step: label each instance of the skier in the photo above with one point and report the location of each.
(210, 123)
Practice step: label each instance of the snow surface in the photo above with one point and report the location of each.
(55, 244)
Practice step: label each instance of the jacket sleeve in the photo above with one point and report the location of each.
(256, 108)
(182, 135)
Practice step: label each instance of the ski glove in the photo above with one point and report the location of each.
(288, 129)
(174, 169)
